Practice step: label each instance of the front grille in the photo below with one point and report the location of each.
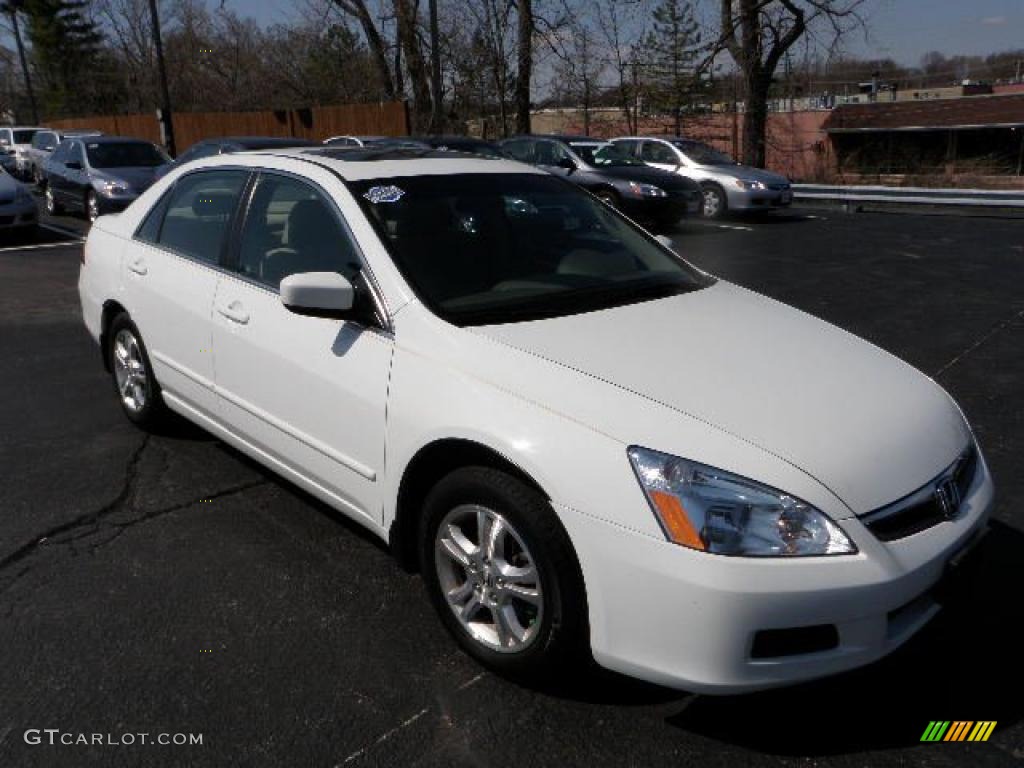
(923, 508)
(778, 187)
(5, 220)
(6, 200)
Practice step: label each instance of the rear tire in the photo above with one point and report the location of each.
(132, 373)
(517, 605)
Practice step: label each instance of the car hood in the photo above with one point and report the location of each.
(865, 424)
(747, 172)
(646, 175)
(138, 179)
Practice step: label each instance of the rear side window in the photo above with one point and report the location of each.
(199, 214)
(656, 152)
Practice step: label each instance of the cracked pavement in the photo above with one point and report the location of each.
(167, 584)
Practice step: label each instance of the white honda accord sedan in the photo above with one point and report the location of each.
(585, 444)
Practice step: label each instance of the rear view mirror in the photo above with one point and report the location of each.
(567, 163)
(324, 294)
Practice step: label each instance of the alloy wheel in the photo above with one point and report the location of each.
(489, 578)
(130, 371)
(92, 206)
(51, 204)
(712, 203)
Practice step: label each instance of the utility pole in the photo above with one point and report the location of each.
(437, 116)
(164, 113)
(12, 8)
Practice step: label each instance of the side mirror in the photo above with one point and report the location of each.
(321, 294)
(567, 163)
(73, 165)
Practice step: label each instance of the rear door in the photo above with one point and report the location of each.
(76, 180)
(171, 272)
(310, 392)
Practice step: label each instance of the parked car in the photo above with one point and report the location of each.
(17, 207)
(617, 179)
(468, 144)
(228, 144)
(44, 142)
(100, 174)
(14, 141)
(726, 184)
(590, 444)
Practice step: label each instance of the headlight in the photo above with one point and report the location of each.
(647, 190)
(744, 184)
(716, 511)
(113, 188)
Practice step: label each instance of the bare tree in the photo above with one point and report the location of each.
(757, 33)
(358, 10)
(621, 23)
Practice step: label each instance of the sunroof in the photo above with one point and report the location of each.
(362, 154)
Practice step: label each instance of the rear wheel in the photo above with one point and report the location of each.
(133, 375)
(502, 573)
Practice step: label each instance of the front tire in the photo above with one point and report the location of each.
(52, 206)
(92, 206)
(715, 202)
(502, 574)
(132, 373)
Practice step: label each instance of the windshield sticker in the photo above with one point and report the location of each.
(388, 194)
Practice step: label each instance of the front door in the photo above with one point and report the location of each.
(309, 392)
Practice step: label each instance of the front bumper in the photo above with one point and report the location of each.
(758, 199)
(689, 620)
(674, 207)
(115, 203)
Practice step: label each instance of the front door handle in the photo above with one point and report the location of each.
(138, 267)
(234, 312)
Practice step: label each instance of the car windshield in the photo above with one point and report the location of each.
(127, 154)
(24, 137)
(702, 154)
(603, 155)
(481, 249)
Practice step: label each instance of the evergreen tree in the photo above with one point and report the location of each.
(670, 50)
(65, 50)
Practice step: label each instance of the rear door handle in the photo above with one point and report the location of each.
(138, 267)
(234, 312)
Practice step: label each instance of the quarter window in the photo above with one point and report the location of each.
(199, 214)
(291, 228)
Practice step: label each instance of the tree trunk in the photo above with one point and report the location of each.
(405, 13)
(524, 65)
(378, 50)
(755, 121)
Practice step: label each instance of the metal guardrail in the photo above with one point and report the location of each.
(988, 198)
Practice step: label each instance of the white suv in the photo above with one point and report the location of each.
(585, 444)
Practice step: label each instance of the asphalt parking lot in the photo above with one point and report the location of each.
(165, 584)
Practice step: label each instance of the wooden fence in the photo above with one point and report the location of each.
(315, 123)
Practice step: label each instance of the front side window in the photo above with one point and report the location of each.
(550, 153)
(522, 150)
(291, 228)
(656, 152)
(44, 140)
(603, 155)
(25, 136)
(497, 248)
(124, 154)
(62, 153)
(199, 214)
(702, 154)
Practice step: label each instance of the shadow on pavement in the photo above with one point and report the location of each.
(960, 667)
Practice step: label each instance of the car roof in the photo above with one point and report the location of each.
(563, 137)
(101, 139)
(356, 164)
(77, 132)
(453, 139)
(260, 142)
(26, 127)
